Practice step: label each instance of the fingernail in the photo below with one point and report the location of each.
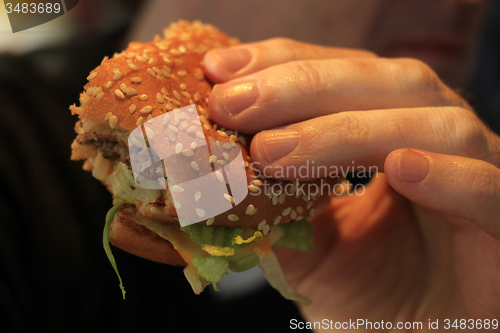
(279, 143)
(413, 167)
(233, 59)
(235, 97)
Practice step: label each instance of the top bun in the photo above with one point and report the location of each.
(153, 78)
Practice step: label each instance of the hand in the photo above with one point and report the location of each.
(422, 242)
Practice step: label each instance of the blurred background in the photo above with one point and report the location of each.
(54, 275)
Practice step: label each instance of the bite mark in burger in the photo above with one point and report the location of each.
(158, 78)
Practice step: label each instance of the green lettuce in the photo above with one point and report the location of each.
(297, 235)
(105, 241)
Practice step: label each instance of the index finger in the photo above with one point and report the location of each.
(225, 64)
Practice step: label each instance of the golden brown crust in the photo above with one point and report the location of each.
(134, 238)
(150, 79)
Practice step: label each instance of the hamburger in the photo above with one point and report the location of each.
(161, 83)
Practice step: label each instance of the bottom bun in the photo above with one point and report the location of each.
(136, 239)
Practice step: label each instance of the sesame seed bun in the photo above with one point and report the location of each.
(145, 81)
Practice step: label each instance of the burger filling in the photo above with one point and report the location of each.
(209, 251)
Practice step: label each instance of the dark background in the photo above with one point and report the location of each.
(54, 275)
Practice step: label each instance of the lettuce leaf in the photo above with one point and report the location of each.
(219, 241)
(105, 241)
(210, 268)
(297, 235)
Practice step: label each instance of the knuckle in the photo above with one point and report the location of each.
(471, 133)
(485, 183)
(306, 77)
(349, 130)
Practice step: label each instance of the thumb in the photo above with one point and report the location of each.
(454, 185)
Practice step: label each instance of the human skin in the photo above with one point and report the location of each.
(422, 242)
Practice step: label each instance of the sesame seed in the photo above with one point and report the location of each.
(228, 198)
(166, 119)
(191, 129)
(168, 106)
(177, 204)
(178, 62)
(188, 152)
(195, 165)
(310, 204)
(226, 156)
(173, 128)
(159, 97)
(147, 109)
(222, 162)
(181, 73)
(132, 108)
(176, 95)
(151, 72)
(233, 217)
(193, 145)
(177, 188)
(119, 93)
(257, 182)
(198, 74)
(149, 133)
(266, 229)
(311, 212)
(277, 220)
(113, 121)
(150, 118)
(197, 196)
(210, 221)
(196, 97)
(96, 91)
(99, 96)
(249, 209)
(151, 61)
(305, 198)
(282, 198)
(200, 212)
(157, 70)
(286, 211)
(92, 76)
(132, 66)
(275, 200)
(172, 136)
(253, 188)
(136, 79)
(182, 49)
(130, 91)
(117, 74)
(109, 84)
(261, 224)
(178, 148)
(219, 176)
(123, 86)
(108, 115)
(143, 97)
(242, 140)
(200, 135)
(183, 86)
(184, 124)
(207, 127)
(299, 209)
(139, 121)
(222, 134)
(186, 94)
